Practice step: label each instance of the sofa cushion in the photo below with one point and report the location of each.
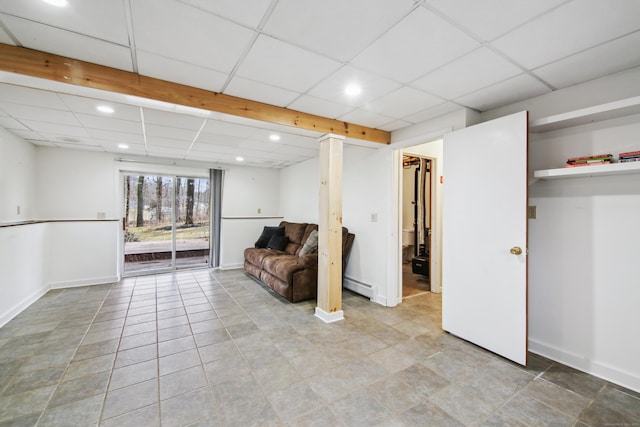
(310, 245)
(278, 243)
(282, 266)
(256, 256)
(295, 232)
(267, 234)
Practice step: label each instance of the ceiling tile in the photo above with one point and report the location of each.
(66, 43)
(333, 87)
(433, 112)
(247, 12)
(478, 69)
(550, 38)
(78, 146)
(108, 135)
(324, 26)
(617, 55)
(395, 125)
(256, 91)
(83, 105)
(212, 140)
(50, 130)
(4, 37)
(172, 70)
(403, 102)
(489, 19)
(284, 65)
(29, 135)
(28, 96)
(507, 92)
(39, 114)
(319, 107)
(228, 129)
(157, 143)
(418, 44)
(104, 20)
(366, 118)
(182, 136)
(91, 121)
(12, 124)
(164, 118)
(184, 33)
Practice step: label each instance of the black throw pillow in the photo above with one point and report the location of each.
(267, 234)
(278, 243)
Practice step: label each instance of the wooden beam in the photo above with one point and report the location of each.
(329, 306)
(53, 67)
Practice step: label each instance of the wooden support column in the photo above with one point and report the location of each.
(329, 306)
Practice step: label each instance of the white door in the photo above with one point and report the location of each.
(484, 284)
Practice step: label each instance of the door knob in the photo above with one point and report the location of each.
(516, 250)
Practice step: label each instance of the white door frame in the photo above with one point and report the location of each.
(394, 279)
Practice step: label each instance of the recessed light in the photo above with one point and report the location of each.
(353, 90)
(123, 146)
(274, 137)
(105, 109)
(58, 3)
(239, 159)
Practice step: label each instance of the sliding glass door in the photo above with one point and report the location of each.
(166, 223)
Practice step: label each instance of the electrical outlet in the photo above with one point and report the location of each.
(18, 210)
(531, 212)
(374, 217)
(259, 210)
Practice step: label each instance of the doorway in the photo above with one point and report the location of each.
(166, 223)
(416, 225)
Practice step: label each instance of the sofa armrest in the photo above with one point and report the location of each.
(309, 260)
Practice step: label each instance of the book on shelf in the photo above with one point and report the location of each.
(630, 159)
(598, 159)
(589, 158)
(578, 165)
(630, 154)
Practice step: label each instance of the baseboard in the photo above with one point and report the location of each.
(18, 308)
(582, 363)
(358, 287)
(84, 282)
(232, 266)
(329, 317)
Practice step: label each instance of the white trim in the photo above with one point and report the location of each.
(22, 305)
(336, 316)
(358, 287)
(233, 266)
(584, 364)
(84, 282)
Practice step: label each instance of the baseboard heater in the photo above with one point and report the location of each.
(358, 287)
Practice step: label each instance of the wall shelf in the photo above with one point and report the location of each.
(610, 110)
(585, 171)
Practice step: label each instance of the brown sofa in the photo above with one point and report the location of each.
(290, 275)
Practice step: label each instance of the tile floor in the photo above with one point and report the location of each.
(202, 348)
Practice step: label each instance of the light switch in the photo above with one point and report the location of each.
(532, 212)
(374, 217)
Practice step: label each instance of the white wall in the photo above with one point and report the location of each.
(300, 192)
(21, 246)
(78, 185)
(366, 187)
(250, 200)
(17, 178)
(22, 257)
(583, 291)
(75, 184)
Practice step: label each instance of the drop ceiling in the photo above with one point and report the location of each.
(414, 60)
